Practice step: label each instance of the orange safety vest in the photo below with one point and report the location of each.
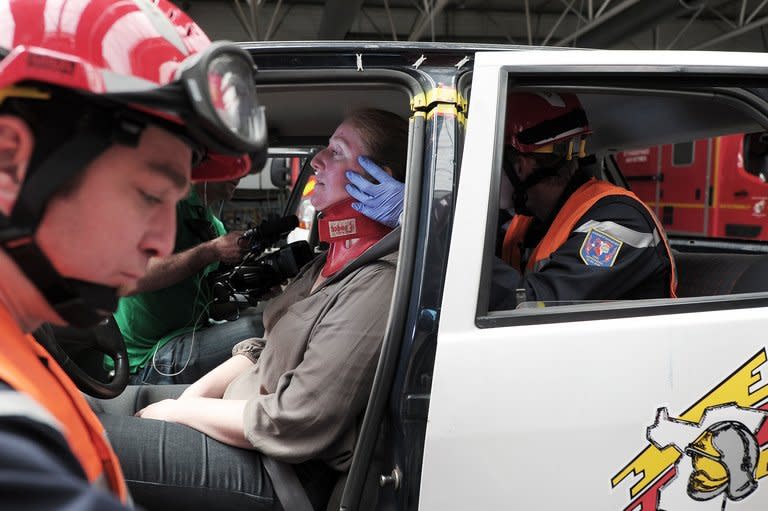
(28, 368)
(565, 222)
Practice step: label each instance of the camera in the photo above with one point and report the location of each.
(269, 232)
(258, 277)
(266, 266)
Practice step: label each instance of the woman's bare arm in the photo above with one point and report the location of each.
(216, 382)
(221, 419)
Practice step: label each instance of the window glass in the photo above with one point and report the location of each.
(599, 230)
(682, 154)
(262, 194)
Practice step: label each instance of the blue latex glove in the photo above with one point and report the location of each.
(382, 201)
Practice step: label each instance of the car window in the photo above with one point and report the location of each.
(707, 194)
(719, 196)
(262, 194)
(682, 154)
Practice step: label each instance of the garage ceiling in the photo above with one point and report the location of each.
(625, 24)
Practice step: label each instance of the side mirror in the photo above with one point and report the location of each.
(280, 172)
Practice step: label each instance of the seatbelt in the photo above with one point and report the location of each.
(287, 487)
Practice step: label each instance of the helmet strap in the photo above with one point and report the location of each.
(81, 304)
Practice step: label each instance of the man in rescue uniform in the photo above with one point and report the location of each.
(99, 138)
(573, 237)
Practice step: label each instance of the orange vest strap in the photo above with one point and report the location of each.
(511, 251)
(27, 367)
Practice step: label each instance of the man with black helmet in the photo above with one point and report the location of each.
(100, 136)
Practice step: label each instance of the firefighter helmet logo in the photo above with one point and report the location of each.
(713, 454)
(723, 452)
(724, 459)
(722, 449)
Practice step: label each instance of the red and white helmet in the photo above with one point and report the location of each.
(545, 122)
(115, 66)
(146, 54)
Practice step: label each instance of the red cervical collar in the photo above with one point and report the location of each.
(348, 233)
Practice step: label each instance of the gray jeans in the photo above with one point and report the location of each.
(169, 466)
(185, 358)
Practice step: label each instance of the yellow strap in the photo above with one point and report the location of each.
(22, 92)
(443, 95)
(442, 109)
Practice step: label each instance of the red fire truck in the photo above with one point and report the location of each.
(713, 187)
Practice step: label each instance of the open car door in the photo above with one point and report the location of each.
(625, 405)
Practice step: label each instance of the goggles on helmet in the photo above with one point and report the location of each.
(212, 93)
(545, 165)
(224, 75)
(512, 158)
(215, 96)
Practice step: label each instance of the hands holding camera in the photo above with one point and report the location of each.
(230, 248)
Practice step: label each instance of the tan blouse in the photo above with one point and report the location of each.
(310, 385)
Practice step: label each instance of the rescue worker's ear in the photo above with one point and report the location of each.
(16, 141)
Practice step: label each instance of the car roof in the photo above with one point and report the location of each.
(308, 87)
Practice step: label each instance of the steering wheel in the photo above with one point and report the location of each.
(104, 338)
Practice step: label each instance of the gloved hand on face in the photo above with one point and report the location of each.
(382, 201)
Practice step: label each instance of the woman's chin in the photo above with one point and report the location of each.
(320, 202)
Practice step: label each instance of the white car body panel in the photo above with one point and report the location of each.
(551, 416)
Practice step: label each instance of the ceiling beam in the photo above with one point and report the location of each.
(599, 21)
(337, 18)
(624, 21)
(426, 19)
(734, 33)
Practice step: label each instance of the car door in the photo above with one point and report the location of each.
(683, 192)
(610, 405)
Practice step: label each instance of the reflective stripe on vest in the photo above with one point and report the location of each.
(27, 367)
(564, 224)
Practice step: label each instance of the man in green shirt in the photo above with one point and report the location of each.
(165, 321)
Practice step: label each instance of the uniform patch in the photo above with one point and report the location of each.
(599, 249)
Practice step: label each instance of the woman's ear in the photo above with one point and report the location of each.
(16, 141)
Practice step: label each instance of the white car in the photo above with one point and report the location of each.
(636, 405)
(585, 406)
